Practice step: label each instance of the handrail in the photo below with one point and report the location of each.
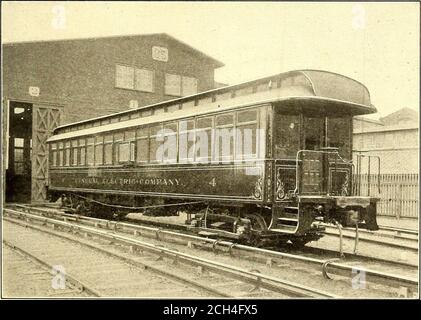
(359, 165)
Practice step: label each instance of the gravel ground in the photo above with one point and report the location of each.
(332, 243)
(370, 250)
(25, 278)
(340, 286)
(296, 273)
(110, 276)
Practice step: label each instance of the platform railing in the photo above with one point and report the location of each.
(361, 160)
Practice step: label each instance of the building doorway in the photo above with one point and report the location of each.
(19, 165)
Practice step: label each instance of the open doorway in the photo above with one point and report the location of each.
(18, 170)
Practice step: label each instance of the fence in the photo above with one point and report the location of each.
(398, 193)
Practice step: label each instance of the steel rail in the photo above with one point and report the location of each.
(122, 226)
(376, 241)
(164, 273)
(396, 235)
(73, 281)
(400, 230)
(334, 268)
(259, 280)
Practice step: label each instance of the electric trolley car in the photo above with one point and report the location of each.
(260, 160)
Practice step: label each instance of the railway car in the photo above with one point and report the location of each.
(261, 160)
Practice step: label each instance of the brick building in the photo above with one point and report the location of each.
(51, 83)
(393, 138)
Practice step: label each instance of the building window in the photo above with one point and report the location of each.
(19, 161)
(124, 77)
(176, 85)
(189, 86)
(134, 78)
(144, 80)
(172, 84)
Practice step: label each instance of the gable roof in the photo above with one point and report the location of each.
(216, 63)
(404, 113)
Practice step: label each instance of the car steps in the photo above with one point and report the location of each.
(288, 220)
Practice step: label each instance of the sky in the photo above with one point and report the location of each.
(374, 43)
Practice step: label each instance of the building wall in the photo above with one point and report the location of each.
(77, 79)
(362, 124)
(80, 74)
(397, 147)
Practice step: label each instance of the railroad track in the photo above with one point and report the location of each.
(380, 239)
(409, 243)
(327, 267)
(161, 226)
(232, 278)
(399, 231)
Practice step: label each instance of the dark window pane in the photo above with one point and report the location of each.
(247, 115)
(142, 132)
(123, 152)
(54, 158)
(170, 128)
(224, 144)
(99, 154)
(155, 130)
(108, 138)
(90, 155)
(108, 153)
(339, 135)
(142, 150)
(204, 123)
(118, 136)
(82, 160)
(155, 153)
(75, 156)
(313, 133)
(247, 136)
(185, 125)
(19, 154)
(60, 158)
(203, 145)
(287, 136)
(225, 119)
(129, 135)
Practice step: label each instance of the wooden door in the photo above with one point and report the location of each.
(45, 119)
